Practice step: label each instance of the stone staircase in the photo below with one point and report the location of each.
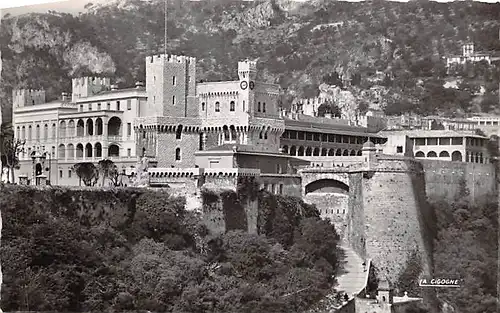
(352, 276)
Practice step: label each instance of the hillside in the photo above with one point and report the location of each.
(398, 46)
(70, 250)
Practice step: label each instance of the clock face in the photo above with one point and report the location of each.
(252, 85)
(243, 85)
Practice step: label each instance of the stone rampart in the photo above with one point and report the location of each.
(289, 184)
(389, 217)
(446, 180)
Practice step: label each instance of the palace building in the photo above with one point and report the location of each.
(175, 122)
(178, 123)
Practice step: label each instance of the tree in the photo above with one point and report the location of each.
(87, 172)
(333, 79)
(105, 167)
(329, 108)
(435, 125)
(9, 150)
(114, 176)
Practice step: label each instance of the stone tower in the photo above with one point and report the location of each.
(170, 132)
(171, 86)
(247, 73)
(27, 97)
(83, 87)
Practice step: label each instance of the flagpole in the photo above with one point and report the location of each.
(165, 38)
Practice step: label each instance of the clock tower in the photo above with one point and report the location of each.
(247, 72)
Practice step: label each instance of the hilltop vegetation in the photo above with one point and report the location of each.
(130, 249)
(397, 46)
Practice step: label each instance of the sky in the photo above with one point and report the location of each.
(74, 6)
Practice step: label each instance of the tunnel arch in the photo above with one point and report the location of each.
(327, 186)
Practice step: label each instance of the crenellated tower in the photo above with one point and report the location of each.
(27, 97)
(171, 86)
(265, 124)
(247, 73)
(83, 87)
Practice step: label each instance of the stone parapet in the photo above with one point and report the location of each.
(275, 125)
(171, 58)
(174, 172)
(196, 172)
(159, 122)
(238, 121)
(231, 172)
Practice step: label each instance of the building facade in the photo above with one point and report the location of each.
(93, 124)
(178, 123)
(469, 54)
(445, 145)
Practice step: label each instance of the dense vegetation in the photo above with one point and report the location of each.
(123, 249)
(467, 249)
(397, 47)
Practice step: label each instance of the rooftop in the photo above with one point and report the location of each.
(433, 133)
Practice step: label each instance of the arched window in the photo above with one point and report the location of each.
(203, 106)
(258, 107)
(231, 106)
(264, 107)
(217, 106)
(178, 154)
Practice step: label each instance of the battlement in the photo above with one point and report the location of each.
(196, 172)
(91, 81)
(171, 58)
(27, 97)
(231, 172)
(83, 87)
(247, 66)
(174, 172)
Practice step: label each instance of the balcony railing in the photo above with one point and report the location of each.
(93, 138)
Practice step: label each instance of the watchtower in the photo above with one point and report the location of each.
(27, 97)
(83, 87)
(171, 86)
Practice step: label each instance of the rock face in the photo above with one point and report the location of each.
(344, 99)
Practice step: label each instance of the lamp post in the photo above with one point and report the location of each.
(49, 169)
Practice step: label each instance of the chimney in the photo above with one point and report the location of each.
(139, 84)
(114, 87)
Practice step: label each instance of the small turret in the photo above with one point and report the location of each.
(27, 97)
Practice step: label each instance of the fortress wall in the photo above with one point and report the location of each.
(181, 186)
(220, 182)
(443, 179)
(392, 203)
(213, 212)
(356, 216)
(291, 184)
